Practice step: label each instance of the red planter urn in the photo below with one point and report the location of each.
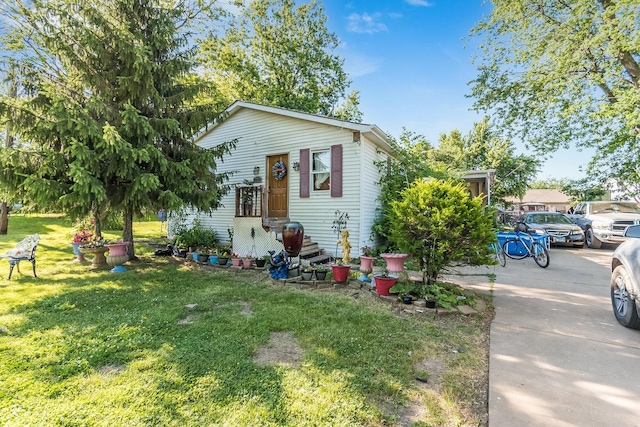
(340, 273)
(383, 284)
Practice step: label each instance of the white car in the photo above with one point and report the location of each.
(625, 279)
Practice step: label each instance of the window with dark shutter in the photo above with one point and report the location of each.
(304, 173)
(336, 171)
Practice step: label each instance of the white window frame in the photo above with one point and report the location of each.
(327, 171)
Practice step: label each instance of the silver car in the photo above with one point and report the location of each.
(625, 279)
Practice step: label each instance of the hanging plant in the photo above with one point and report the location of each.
(279, 170)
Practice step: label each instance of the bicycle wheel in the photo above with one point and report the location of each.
(515, 249)
(540, 254)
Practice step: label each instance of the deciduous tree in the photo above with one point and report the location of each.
(278, 54)
(481, 149)
(563, 74)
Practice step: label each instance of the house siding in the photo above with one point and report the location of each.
(260, 134)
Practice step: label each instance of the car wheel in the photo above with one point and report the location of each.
(624, 307)
(592, 241)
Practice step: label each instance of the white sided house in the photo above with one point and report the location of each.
(327, 166)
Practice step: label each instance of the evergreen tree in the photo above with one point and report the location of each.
(107, 108)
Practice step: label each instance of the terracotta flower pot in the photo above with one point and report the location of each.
(246, 263)
(237, 262)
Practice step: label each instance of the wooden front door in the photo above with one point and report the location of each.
(278, 189)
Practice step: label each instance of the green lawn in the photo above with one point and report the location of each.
(94, 348)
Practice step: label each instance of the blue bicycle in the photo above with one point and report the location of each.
(518, 248)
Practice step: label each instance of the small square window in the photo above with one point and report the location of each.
(321, 170)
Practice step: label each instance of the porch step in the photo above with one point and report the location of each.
(319, 259)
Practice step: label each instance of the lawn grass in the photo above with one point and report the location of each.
(94, 348)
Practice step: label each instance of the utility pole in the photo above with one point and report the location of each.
(8, 143)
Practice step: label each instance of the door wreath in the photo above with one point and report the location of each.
(279, 170)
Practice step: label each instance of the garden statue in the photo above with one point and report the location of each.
(346, 246)
(279, 266)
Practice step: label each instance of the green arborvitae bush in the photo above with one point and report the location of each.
(439, 223)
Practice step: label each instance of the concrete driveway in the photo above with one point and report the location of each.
(558, 356)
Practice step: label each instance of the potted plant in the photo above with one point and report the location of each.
(340, 271)
(366, 263)
(223, 258)
(260, 262)
(203, 255)
(236, 260)
(384, 282)
(293, 270)
(247, 261)
(213, 257)
(307, 273)
(404, 290)
(81, 237)
(321, 272)
(95, 247)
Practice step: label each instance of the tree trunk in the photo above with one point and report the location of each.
(127, 231)
(4, 215)
(4, 218)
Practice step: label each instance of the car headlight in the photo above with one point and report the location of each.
(538, 231)
(601, 225)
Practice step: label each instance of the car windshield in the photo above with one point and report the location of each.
(622, 207)
(547, 218)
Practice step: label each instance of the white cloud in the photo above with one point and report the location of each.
(365, 23)
(357, 65)
(420, 3)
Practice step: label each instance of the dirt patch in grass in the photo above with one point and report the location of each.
(111, 369)
(281, 350)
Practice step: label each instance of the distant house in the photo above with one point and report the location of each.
(479, 183)
(294, 166)
(541, 200)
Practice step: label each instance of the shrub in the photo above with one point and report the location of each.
(438, 223)
(196, 237)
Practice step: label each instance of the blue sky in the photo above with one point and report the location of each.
(411, 62)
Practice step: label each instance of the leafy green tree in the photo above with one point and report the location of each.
(552, 183)
(106, 110)
(583, 190)
(407, 164)
(438, 223)
(565, 73)
(481, 149)
(278, 54)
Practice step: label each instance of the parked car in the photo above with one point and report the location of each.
(605, 222)
(558, 226)
(625, 279)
